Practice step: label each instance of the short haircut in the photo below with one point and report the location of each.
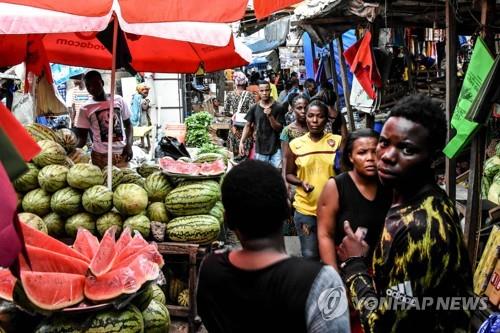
(349, 144)
(264, 82)
(322, 106)
(296, 97)
(427, 112)
(255, 199)
(294, 81)
(288, 85)
(91, 74)
(310, 81)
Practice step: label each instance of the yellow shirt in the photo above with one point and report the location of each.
(314, 162)
(274, 91)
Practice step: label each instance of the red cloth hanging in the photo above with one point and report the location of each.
(24, 143)
(11, 241)
(360, 58)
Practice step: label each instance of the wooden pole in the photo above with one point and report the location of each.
(473, 214)
(334, 74)
(345, 84)
(451, 94)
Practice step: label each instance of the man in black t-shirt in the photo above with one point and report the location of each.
(267, 118)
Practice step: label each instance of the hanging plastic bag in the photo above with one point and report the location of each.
(170, 146)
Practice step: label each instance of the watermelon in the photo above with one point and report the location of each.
(28, 181)
(146, 169)
(97, 199)
(104, 258)
(200, 229)
(157, 186)
(53, 291)
(52, 153)
(157, 212)
(67, 139)
(218, 212)
(142, 299)
(132, 177)
(108, 220)
(127, 320)
(125, 280)
(158, 294)
(43, 260)
(148, 252)
(192, 199)
(54, 223)
(491, 167)
(7, 283)
(66, 201)
(140, 223)
(68, 162)
(183, 298)
(34, 221)
(79, 156)
(175, 287)
(80, 220)
(38, 239)
(117, 176)
(40, 132)
(37, 202)
(86, 243)
(82, 176)
(130, 199)
(156, 318)
(53, 177)
(209, 157)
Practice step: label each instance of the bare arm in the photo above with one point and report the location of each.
(291, 173)
(275, 124)
(129, 132)
(328, 207)
(244, 135)
(81, 134)
(285, 148)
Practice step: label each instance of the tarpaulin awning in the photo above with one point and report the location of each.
(275, 34)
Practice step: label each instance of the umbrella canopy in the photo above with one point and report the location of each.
(139, 11)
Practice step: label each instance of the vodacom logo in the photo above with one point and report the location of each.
(332, 303)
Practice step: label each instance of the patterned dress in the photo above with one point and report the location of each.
(230, 108)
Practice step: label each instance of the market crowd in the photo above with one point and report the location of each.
(371, 220)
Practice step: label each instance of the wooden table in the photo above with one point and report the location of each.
(143, 132)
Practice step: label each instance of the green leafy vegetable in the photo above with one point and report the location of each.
(197, 129)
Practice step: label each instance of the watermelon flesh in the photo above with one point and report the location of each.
(39, 239)
(150, 252)
(133, 247)
(125, 280)
(42, 260)
(123, 241)
(53, 291)
(86, 243)
(7, 283)
(103, 260)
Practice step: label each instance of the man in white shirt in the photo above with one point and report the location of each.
(94, 117)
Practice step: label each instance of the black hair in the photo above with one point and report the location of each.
(294, 81)
(427, 112)
(91, 74)
(254, 77)
(322, 106)
(296, 97)
(349, 144)
(288, 85)
(263, 82)
(294, 75)
(327, 96)
(310, 81)
(255, 199)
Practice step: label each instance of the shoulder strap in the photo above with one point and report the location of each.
(242, 100)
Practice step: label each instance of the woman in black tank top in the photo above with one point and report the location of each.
(355, 196)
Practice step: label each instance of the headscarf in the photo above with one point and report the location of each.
(140, 86)
(240, 79)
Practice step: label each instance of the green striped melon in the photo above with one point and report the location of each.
(158, 294)
(97, 199)
(52, 153)
(82, 176)
(132, 177)
(53, 177)
(116, 176)
(146, 169)
(80, 220)
(130, 199)
(108, 220)
(128, 320)
(54, 223)
(143, 298)
(157, 212)
(157, 186)
(218, 212)
(175, 287)
(33, 221)
(209, 157)
(67, 139)
(139, 223)
(27, 181)
(40, 132)
(156, 318)
(66, 201)
(37, 202)
(183, 298)
(79, 156)
(192, 199)
(199, 229)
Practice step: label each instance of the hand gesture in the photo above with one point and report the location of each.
(352, 245)
(241, 149)
(307, 187)
(267, 111)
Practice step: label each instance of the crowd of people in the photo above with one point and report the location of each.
(377, 234)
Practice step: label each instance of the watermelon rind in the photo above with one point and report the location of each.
(53, 177)
(199, 229)
(82, 176)
(130, 199)
(37, 202)
(80, 220)
(106, 221)
(33, 221)
(157, 212)
(54, 223)
(156, 318)
(97, 199)
(52, 153)
(27, 181)
(193, 198)
(66, 201)
(139, 223)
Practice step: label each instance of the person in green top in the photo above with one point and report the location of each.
(421, 256)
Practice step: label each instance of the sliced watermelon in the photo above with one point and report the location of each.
(53, 291)
(39, 239)
(134, 246)
(86, 243)
(7, 283)
(125, 280)
(103, 260)
(123, 241)
(150, 252)
(43, 260)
